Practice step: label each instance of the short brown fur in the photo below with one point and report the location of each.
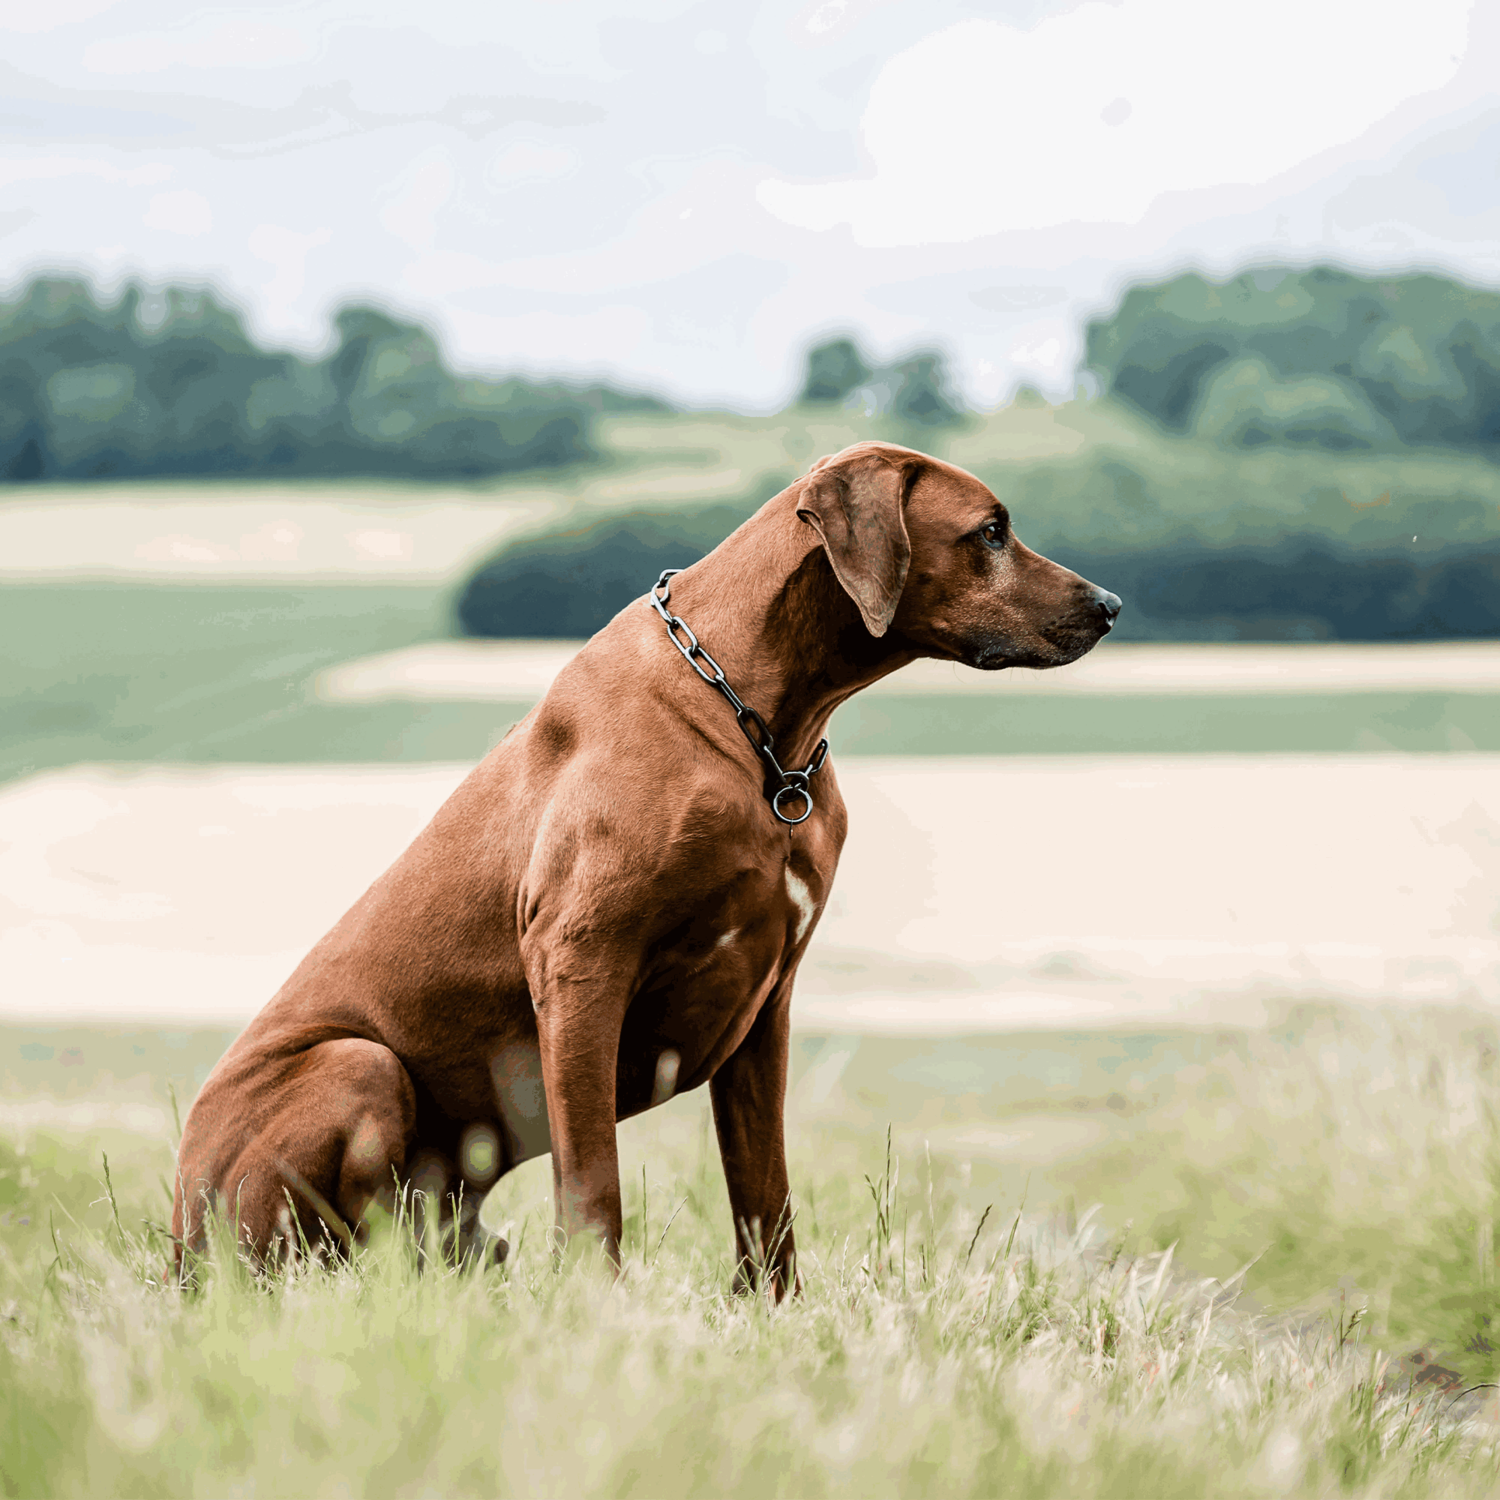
(609, 890)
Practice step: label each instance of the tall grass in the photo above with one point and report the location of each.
(942, 1344)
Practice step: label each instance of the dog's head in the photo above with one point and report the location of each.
(927, 553)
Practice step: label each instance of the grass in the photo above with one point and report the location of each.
(131, 674)
(965, 1327)
(213, 672)
(141, 672)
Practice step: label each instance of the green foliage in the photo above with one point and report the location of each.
(1321, 358)
(573, 578)
(1246, 403)
(914, 392)
(835, 370)
(1301, 590)
(920, 394)
(170, 383)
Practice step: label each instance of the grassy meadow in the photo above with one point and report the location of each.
(1170, 1263)
(1136, 1262)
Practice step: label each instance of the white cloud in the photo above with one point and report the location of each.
(29, 17)
(827, 20)
(1040, 357)
(1044, 354)
(530, 161)
(48, 168)
(181, 212)
(443, 272)
(411, 212)
(238, 42)
(287, 251)
(381, 546)
(982, 128)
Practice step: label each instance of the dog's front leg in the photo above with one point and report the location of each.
(580, 1006)
(749, 1093)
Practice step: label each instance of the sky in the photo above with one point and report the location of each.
(682, 196)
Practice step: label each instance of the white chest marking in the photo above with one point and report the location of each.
(796, 888)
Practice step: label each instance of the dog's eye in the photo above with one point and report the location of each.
(994, 534)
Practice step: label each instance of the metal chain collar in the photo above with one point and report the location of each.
(792, 783)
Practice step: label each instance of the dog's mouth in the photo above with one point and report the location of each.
(988, 658)
(1052, 648)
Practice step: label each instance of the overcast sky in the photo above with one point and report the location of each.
(680, 195)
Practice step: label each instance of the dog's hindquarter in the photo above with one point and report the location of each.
(422, 979)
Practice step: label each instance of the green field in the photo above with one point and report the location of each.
(970, 1322)
(142, 672)
(199, 674)
(162, 668)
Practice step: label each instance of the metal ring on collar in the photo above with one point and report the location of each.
(791, 789)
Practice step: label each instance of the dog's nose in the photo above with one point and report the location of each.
(1109, 605)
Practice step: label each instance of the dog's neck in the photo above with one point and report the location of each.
(767, 606)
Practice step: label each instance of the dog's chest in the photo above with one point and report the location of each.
(708, 986)
(732, 954)
(773, 922)
(706, 983)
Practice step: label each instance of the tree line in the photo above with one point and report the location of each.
(170, 383)
(1320, 358)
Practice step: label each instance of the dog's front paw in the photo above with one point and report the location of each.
(777, 1281)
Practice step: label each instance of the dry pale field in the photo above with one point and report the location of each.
(973, 893)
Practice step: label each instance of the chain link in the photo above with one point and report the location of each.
(752, 726)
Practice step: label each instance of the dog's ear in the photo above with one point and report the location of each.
(855, 506)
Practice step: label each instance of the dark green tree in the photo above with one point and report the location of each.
(168, 382)
(920, 391)
(835, 370)
(1322, 358)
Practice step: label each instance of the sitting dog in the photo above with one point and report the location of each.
(611, 908)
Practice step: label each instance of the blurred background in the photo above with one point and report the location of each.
(356, 363)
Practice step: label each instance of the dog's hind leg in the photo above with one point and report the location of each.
(300, 1156)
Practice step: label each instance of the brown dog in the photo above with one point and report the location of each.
(609, 910)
